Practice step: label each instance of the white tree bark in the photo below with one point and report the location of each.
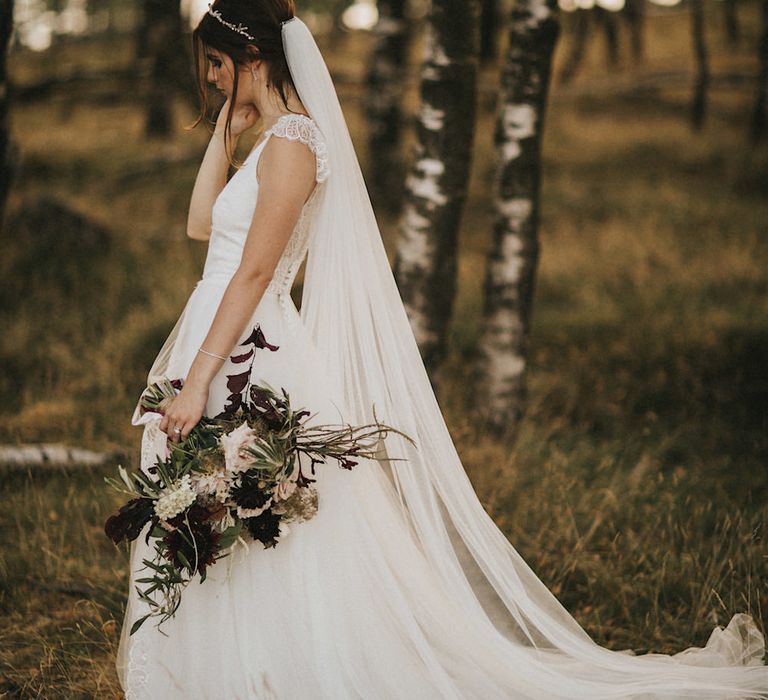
(436, 186)
(51, 455)
(510, 273)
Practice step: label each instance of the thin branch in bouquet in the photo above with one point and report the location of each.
(343, 441)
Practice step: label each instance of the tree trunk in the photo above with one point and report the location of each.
(608, 20)
(162, 44)
(760, 113)
(384, 90)
(436, 187)
(699, 103)
(7, 149)
(489, 21)
(511, 267)
(731, 22)
(51, 455)
(578, 46)
(633, 15)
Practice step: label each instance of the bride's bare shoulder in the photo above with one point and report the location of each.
(299, 141)
(286, 160)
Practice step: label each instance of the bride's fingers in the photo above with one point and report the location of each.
(176, 430)
(181, 428)
(169, 424)
(167, 419)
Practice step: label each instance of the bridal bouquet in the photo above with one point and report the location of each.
(236, 477)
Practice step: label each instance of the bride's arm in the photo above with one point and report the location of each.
(212, 175)
(210, 180)
(286, 183)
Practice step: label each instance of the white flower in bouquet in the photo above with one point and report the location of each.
(215, 484)
(299, 506)
(252, 512)
(233, 443)
(175, 499)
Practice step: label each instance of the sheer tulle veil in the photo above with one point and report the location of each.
(353, 312)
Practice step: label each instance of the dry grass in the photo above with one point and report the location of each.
(637, 485)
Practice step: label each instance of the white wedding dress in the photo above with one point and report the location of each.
(349, 604)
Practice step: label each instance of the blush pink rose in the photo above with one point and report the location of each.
(233, 443)
(284, 489)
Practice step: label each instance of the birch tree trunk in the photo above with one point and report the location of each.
(384, 90)
(436, 186)
(7, 150)
(511, 266)
(760, 113)
(699, 103)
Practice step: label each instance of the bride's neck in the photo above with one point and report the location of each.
(273, 108)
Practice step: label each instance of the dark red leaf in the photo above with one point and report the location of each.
(257, 339)
(237, 382)
(243, 357)
(235, 402)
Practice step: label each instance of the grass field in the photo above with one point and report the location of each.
(637, 485)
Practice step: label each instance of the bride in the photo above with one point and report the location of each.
(401, 586)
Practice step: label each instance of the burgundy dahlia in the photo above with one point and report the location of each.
(265, 527)
(251, 493)
(129, 520)
(198, 543)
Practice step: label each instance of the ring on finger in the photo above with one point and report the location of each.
(177, 429)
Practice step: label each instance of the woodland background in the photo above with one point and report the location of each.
(634, 483)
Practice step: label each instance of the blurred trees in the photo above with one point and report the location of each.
(436, 186)
(384, 87)
(699, 103)
(732, 29)
(489, 18)
(502, 361)
(583, 20)
(634, 16)
(760, 113)
(162, 43)
(6, 145)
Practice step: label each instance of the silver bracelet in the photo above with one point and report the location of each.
(212, 354)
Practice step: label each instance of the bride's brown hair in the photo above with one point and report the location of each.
(261, 19)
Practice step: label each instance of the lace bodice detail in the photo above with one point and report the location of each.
(233, 209)
(298, 127)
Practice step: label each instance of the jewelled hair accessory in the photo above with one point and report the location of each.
(239, 28)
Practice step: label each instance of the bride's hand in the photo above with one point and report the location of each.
(243, 118)
(184, 413)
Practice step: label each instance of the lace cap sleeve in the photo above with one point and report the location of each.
(298, 127)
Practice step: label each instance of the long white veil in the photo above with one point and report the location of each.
(353, 311)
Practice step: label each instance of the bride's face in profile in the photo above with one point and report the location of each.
(221, 73)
